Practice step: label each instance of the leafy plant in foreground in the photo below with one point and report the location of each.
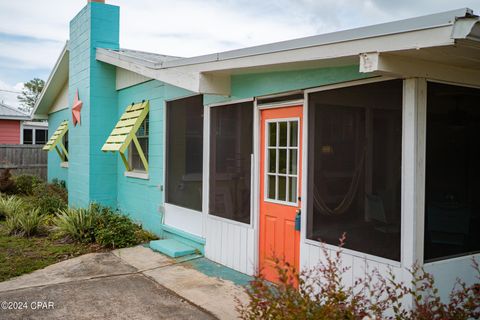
(320, 293)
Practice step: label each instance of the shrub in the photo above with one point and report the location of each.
(25, 223)
(318, 293)
(7, 185)
(115, 230)
(25, 184)
(50, 198)
(10, 205)
(77, 224)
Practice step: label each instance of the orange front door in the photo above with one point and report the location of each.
(280, 172)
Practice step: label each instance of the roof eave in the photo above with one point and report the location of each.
(40, 110)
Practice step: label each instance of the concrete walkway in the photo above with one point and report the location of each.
(131, 283)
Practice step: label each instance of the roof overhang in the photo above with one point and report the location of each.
(53, 86)
(424, 39)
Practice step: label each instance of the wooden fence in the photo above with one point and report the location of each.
(24, 159)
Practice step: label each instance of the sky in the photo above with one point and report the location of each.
(32, 32)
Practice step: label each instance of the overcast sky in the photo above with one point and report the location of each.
(32, 32)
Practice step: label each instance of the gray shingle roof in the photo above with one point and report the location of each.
(7, 112)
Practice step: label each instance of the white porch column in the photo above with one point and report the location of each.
(413, 173)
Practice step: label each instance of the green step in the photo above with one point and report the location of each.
(171, 248)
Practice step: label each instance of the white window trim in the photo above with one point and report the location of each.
(136, 174)
(34, 129)
(265, 165)
(206, 161)
(303, 234)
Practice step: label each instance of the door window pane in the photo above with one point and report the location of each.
(282, 134)
(185, 152)
(354, 177)
(231, 147)
(272, 134)
(452, 204)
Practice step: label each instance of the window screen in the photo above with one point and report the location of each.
(142, 137)
(185, 152)
(354, 177)
(452, 202)
(27, 136)
(231, 138)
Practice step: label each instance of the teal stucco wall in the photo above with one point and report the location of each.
(54, 170)
(92, 173)
(140, 198)
(259, 84)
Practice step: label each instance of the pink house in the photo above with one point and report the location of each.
(15, 127)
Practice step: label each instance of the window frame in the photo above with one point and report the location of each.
(174, 206)
(207, 160)
(423, 186)
(305, 162)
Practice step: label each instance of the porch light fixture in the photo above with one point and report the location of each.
(55, 141)
(125, 132)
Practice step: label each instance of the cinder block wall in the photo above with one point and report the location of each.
(92, 173)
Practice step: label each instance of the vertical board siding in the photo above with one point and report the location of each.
(358, 267)
(230, 244)
(9, 131)
(447, 271)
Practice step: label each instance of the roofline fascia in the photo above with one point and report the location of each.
(409, 25)
(50, 77)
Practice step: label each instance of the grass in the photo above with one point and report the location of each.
(20, 255)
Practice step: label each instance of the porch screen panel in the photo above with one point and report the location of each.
(185, 152)
(452, 188)
(354, 167)
(231, 147)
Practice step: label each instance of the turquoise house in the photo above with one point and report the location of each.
(276, 149)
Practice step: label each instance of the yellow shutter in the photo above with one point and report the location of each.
(55, 141)
(125, 132)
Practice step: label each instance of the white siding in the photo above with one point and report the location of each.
(61, 101)
(230, 244)
(446, 272)
(358, 264)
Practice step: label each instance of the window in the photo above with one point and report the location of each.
(231, 145)
(452, 204)
(41, 136)
(142, 137)
(354, 167)
(27, 136)
(65, 144)
(282, 155)
(185, 152)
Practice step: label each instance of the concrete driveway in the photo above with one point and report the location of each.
(132, 283)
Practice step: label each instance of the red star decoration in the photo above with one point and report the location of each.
(76, 108)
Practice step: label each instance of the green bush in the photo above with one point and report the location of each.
(25, 184)
(49, 198)
(25, 223)
(10, 205)
(77, 224)
(115, 230)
